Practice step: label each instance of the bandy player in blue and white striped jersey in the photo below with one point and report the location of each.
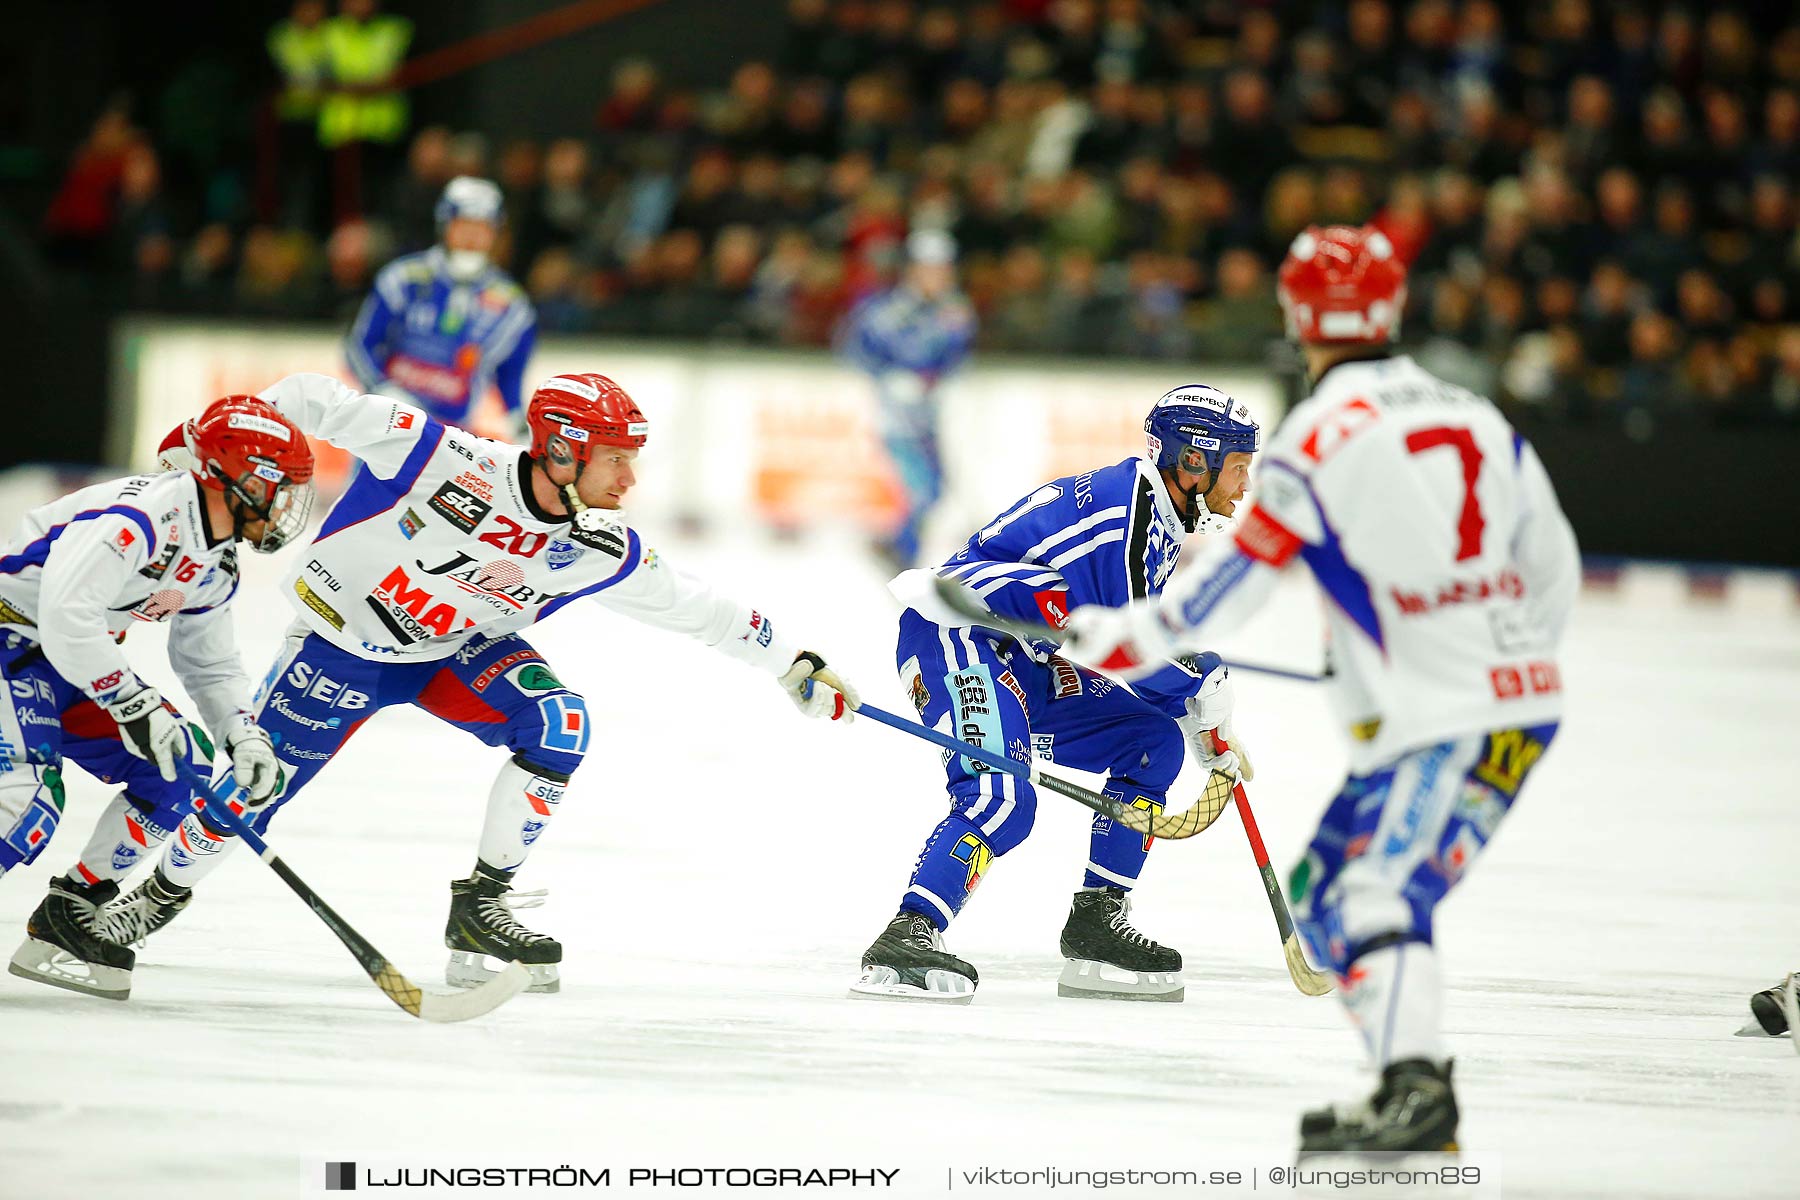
(1105, 537)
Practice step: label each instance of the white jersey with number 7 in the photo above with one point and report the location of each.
(1432, 528)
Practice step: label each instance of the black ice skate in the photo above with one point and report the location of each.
(64, 947)
(908, 962)
(1108, 959)
(1413, 1111)
(1774, 1009)
(482, 923)
(132, 918)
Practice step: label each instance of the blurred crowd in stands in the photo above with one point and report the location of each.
(1597, 200)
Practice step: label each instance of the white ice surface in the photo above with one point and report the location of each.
(719, 864)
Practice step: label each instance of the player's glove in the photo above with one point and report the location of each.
(1208, 712)
(151, 729)
(1128, 642)
(254, 766)
(816, 689)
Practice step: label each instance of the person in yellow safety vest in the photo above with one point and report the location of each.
(363, 50)
(297, 45)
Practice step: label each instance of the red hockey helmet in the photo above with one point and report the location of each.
(243, 447)
(571, 414)
(1342, 285)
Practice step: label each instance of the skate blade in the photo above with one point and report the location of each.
(41, 962)
(468, 969)
(941, 987)
(1399, 1160)
(1085, 979)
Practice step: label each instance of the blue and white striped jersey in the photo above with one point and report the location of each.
(441, 340)
(900, 330)
(1105, 537)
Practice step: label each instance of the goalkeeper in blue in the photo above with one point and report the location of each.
(1105, 537)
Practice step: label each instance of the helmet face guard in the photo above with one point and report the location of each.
(282, 506)
(244, 448)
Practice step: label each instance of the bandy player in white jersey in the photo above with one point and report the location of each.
(1450, 572)
(81, 573)
(413, 592)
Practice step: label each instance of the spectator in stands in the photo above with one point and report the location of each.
(414, 195)
(1551, 181)
(1239, 324)
(81, 214)
(297, 46)
(363, 120)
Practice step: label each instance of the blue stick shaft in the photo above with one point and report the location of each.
(980, 754)
(218, 808)
(1106, 806)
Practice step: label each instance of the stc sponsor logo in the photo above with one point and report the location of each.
(458, 507)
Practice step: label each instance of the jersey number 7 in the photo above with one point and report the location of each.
(1470, 524)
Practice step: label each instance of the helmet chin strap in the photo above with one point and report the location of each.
(580, 514)
(1199, 518)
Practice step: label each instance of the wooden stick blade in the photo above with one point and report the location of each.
(1196, 818)
(1313, 983)
(475, 1002)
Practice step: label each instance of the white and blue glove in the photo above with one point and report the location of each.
(254, 766)
(816, 689)
(1208, 713)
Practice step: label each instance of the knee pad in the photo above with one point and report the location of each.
(31, 805)
(551, 737)
(1004, 820)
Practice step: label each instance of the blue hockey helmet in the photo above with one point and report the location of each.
(468, 196)
(1195, 426)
